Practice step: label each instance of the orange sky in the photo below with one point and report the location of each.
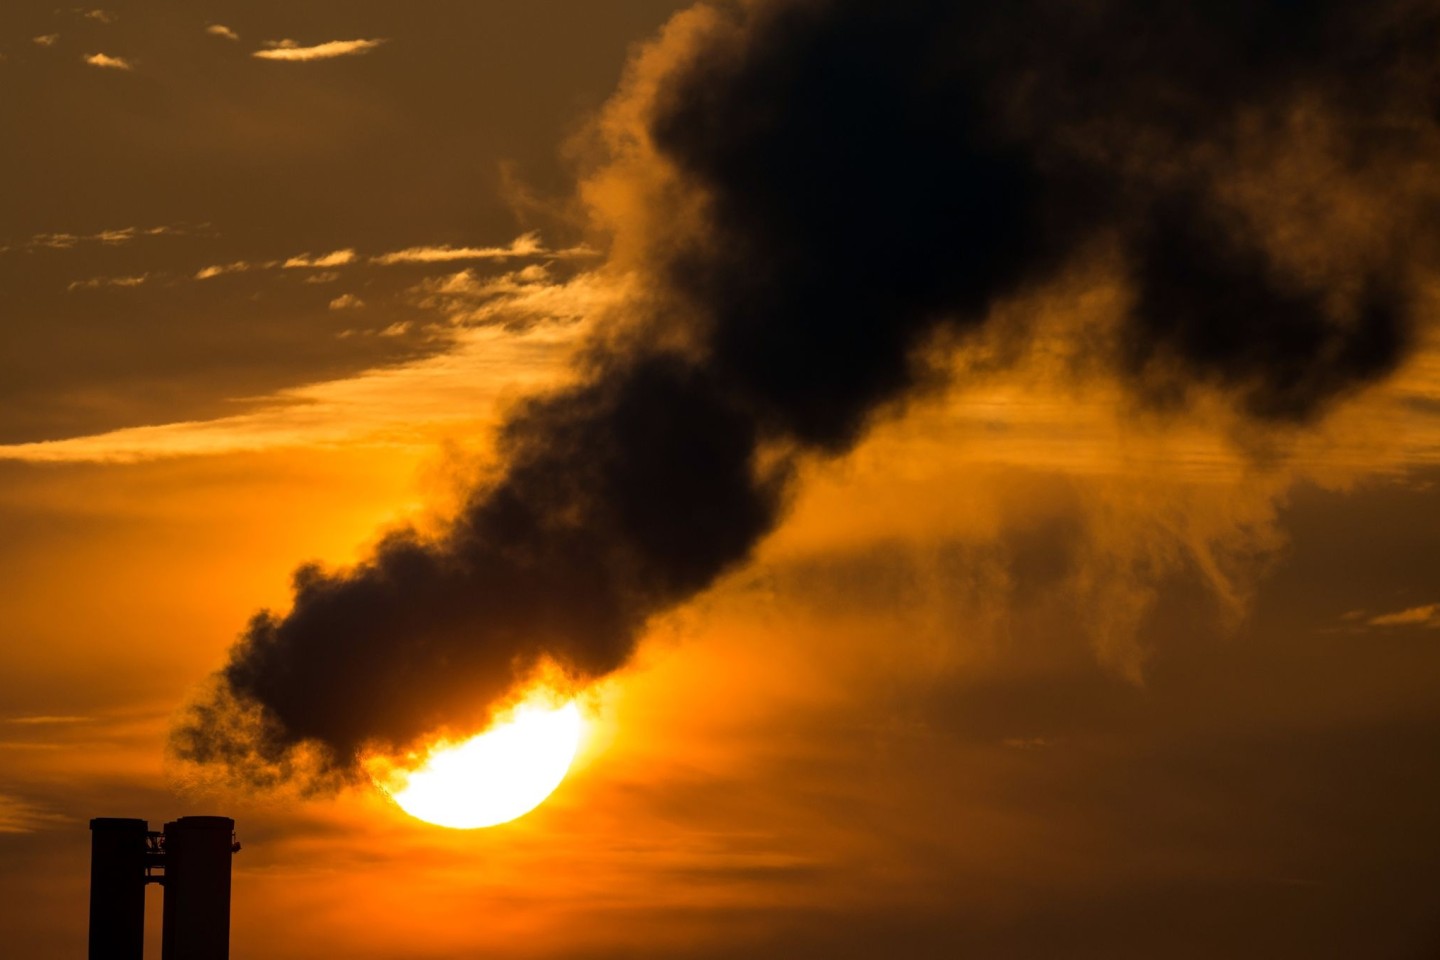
(1032, 672)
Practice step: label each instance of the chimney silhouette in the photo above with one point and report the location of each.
(190, 860)
(117, 888)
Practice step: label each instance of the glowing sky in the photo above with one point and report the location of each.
(1034, 671)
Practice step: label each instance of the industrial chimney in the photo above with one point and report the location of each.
(190, 860)
(117, 888)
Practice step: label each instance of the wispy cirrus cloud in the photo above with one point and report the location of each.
(346, 301)
(220, 269)
(45, 39)
(100, 16)
(108, 62)
(21, 816)
(515, 299)
(521, 345)
(111, 237)
(46, 720)
(291, 50)
(1423, 616)
(126, 234)
(526, 245)
(337, 258)
(220, 30)
(51, 241)
(97, 282)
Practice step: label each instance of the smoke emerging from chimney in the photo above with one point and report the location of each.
(811, 191)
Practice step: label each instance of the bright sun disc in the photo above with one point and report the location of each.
(499, 775)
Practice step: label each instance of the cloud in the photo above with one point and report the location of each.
(112, 237)
(336, 259)
(405, 404)
(105, 60)
(96, 282)
(346, 301)
(1426, 616)
(123, 235)
(46, 721)
(527, 245)
(100, 16)
(220, 30)
(45, 39)
(220, 269)
(52, 241)
(291, 50)
(22, 816)
(514, 299)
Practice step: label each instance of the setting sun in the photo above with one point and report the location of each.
(493, 777)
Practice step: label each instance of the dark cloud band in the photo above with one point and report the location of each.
(866, 176)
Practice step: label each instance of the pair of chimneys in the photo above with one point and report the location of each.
(190, 859)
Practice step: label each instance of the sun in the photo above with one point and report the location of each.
(491, 778)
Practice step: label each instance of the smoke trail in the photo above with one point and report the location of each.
(842, 180)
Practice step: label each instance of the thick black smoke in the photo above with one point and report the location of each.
(870, 174)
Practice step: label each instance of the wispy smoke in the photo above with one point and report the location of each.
(823, 187)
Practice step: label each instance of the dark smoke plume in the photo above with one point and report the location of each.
(870, 175)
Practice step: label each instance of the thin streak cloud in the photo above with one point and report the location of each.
(291, 50)
(220, 269)
(97, 282)
(110, 237)
(528, 245)
(336, 259)
(45, 39)
(1426, 616)
(46, 721)
(220, 30)
(21, 816)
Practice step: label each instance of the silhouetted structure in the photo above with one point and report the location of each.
(117, 888)
(190, 859)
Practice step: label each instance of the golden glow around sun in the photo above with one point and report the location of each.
(493, 777)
